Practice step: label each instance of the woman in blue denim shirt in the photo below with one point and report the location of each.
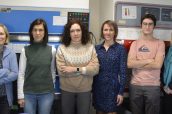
(8, 72)
(109, 84)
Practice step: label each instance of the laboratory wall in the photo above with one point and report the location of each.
(18, 14)
(106, 10)
(84, 4)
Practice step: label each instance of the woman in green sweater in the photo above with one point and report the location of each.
(37, 71)
(77, 63)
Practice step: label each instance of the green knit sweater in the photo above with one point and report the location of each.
(38, 78)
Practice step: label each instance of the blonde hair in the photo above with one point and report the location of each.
(6, 33)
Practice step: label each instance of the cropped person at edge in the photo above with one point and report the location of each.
(8, 72)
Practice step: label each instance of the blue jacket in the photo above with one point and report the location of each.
(9, 72)
(168, 68)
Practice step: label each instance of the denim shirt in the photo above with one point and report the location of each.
(9, 72)
(168, 68)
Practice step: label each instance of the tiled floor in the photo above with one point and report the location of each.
(122, 111)
(57, 109)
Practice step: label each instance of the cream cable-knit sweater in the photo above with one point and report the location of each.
(77, 55)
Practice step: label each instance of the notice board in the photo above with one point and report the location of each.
(18, 21)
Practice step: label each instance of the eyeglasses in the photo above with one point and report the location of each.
(147, 24)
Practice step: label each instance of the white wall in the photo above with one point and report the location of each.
(83, 4)
(95, 17)
(100, 10)
(106, 10)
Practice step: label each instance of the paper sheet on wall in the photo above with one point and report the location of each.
(59, 20)
(134, 34)
(129, 12)
(165, 35)
(129, 33)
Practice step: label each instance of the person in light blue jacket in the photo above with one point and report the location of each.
(8, 72)
(167, 79)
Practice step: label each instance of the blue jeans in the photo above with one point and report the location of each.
(42, 101)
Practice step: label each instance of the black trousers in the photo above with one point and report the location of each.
(4, 106)
(167, 104)
(145, 99)
(76, 103)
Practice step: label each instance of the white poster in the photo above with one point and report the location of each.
(129, 12)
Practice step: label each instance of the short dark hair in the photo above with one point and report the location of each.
(149, 16)
(66, 38)
(113, 24)
(38, 22)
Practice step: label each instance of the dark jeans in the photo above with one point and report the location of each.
(145, 99)
(79, 102)
(4, 107)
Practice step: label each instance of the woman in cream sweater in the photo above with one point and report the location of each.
(77, 63)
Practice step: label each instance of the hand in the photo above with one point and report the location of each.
(150, 60)
(67, 69)
(119, 100)
(21, 102)
(167, 90)
(170, 91)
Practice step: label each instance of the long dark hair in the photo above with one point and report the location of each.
(66, 38)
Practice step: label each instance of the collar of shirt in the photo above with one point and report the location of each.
(101, 46)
